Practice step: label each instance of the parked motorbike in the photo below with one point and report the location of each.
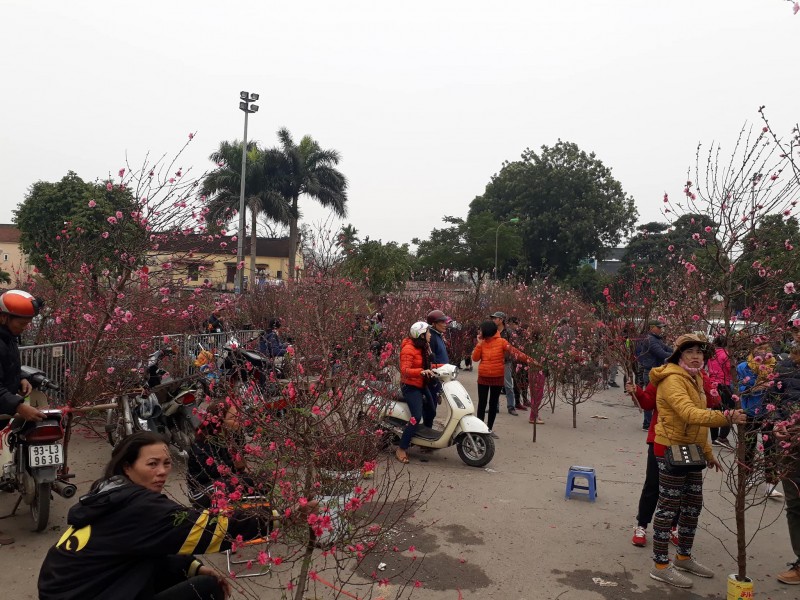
(166, 406)
(463, 429)
(250, 371)
(32, 457)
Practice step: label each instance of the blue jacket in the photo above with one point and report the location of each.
(271, 345)
(652, 351)
(751, 401)
(438, 349)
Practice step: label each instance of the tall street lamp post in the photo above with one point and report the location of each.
(245, 105)
(496, 238)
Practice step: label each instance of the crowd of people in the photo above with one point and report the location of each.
(127, 536)
(688, 396)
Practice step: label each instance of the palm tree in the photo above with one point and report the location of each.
(305, 168)
(221, 187)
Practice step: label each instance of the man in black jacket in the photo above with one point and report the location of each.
(786, 394)
(651, 352)
(17, 309)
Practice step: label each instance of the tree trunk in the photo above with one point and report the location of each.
(292, 238)
(574, 415)
(739, 505)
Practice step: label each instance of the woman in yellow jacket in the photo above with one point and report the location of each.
(683, 418)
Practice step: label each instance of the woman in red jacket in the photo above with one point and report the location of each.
(415, 375)
(491, 351)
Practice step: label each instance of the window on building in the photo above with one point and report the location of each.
(193, 272)
(230, 274)
(5, 257)
(279, 275)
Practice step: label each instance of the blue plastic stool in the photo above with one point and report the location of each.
(588, 474)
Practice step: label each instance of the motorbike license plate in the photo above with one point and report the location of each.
(45, 455)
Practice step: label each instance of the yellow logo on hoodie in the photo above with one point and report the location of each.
(74, 540)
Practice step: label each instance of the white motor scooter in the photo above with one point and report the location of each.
(463, 429)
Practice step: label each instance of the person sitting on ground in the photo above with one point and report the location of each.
(491, 350)
(683, 419)
(215, 468)
(415, 377)
(128, 541)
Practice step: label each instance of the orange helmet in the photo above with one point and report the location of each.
(19, 304)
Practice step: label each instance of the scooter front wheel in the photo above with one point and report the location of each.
(476, 449)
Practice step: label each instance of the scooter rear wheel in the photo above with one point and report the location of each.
(40, 507)
(476, 449)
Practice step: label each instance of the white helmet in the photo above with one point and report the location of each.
(418, 329)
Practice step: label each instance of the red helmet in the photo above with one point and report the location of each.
(19, 304)
(436, 316)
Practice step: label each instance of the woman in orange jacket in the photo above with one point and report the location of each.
(491, 351)
(415, 375)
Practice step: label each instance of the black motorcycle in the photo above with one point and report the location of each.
(36, 457)
(165, 406)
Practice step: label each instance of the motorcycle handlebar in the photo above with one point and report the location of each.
(39, 381)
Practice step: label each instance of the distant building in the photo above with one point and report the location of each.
(610, 263)
(12, 258)
(199, 259)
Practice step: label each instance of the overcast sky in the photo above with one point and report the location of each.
(424, 100)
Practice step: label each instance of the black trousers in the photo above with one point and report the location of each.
(649, 497)
(490, 393)
(202, 587)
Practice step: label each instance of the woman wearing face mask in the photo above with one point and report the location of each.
(128, 541)
(683, 419)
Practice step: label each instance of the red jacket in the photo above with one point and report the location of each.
(411, 364)
(647, 400)
(492, 355)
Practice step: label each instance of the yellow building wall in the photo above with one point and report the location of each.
(195, 271)
(12, 259)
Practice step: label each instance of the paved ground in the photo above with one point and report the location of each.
(507, 531)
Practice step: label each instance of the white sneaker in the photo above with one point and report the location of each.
(771, 491)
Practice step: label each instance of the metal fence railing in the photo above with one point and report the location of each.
(57, 360)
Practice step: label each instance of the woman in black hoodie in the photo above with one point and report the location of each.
(128, 541)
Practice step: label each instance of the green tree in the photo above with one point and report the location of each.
(468, 246)
(305, 168)
(649, 247)
(767, 262)
(5, 277)
(570, 205)
(383, 267)
(77, 211)
(589, 284)
(222, 189)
